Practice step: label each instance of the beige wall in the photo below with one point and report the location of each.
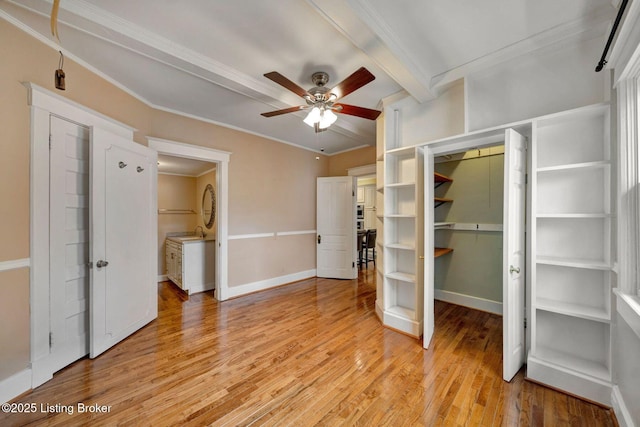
(340, 163)
(271, 185)
(175, 192)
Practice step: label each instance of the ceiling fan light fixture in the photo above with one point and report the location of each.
(313, 117)
(327, 118)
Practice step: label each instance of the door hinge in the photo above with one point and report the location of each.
(353, 265)
(49, 141)
(526, 178)
(525, 323)
(50, 339)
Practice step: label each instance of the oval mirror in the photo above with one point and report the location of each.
(208, 206)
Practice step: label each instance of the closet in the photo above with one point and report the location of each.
(468, 210)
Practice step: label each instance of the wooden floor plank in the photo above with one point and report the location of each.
(309, 353)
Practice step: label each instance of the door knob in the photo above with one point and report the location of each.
(102, 263)
(513, 269)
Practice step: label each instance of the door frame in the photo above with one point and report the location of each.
(493, 138)
(221, 159)
(43, 104)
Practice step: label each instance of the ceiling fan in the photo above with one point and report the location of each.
(322, 101)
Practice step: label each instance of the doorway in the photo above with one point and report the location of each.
(368, 197)
(511, 261)
(221, 160)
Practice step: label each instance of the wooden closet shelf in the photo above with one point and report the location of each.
(441, 200)
(438, 252)
(438, 177)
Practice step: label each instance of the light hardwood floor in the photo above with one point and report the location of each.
(309, 353)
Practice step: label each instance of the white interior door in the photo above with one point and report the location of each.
(513, 284)
(68, 242)
(336, 226)
(123, 216)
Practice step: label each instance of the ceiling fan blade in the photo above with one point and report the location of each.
(355, 81)
(283, 111)
(352, 110)
(285, 82)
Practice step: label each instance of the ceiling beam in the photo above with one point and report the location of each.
(358, 22)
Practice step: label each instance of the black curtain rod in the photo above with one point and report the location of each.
(603, 61)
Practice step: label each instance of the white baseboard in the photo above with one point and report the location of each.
(623, 415)
(206, 287)
(469, 301)
(402, 324)
(162, 278)
(247, 288)
(379, 310)
(15, 385)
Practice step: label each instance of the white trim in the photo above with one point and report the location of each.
(362, 170)
(271, 234)
(629, 308)
(162, 278)
(197, 152)
(15, 385)
(247, 288)
(188, 151)
(623, 416)
(295, 233)
(250, 236)
(476, 303)
(15, 264)
(63, 107)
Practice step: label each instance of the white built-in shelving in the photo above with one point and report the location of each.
(403, 219)
(571, 253)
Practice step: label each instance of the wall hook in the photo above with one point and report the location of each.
(139, 169)
(122, 165)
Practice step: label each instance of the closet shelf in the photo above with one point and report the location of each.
(400, 215)
(443, 225)
(438, 177)
(573, 262)
(402, 246)
(597, 314)
(571, 166)
(404, 277)
(401, 311)
(438, 252)
(441, 200)
(574, 215)
(572, 362)
(401, 185)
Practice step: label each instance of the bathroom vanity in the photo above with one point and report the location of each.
(190, 262)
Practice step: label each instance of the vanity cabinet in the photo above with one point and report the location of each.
(190, 263)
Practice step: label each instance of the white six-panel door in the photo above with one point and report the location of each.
(336, 227)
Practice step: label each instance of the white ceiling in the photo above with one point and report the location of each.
(206, 58)
(183, 166)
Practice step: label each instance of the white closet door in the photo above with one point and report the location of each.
(514, 254)
(123, 234)
(336, 224)
(68, 242)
